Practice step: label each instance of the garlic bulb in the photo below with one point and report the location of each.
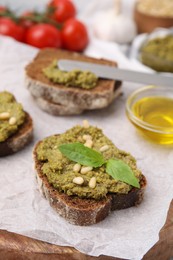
(110, 26)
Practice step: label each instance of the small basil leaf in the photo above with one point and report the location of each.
(119, 170)
(79, 153)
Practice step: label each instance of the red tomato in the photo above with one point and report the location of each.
(65, 9)
(2, 9)
(43, 35)
(27, 14)
(27, 23)
(10, 28)
(74, 35)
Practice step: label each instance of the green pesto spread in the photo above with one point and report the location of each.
(59, 169)
(9, 105)
(74, 78)
(158, 54)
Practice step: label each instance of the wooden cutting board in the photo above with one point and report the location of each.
(17, 247)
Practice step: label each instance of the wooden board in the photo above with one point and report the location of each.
(17, 247)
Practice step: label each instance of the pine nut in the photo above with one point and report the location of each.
(76, 167)
(78, 180)
(92, 182)
(86, 169)
(4, 115)
(12, 120)
(87, 137)
(86, 124)
(104, 148)
(88, 143)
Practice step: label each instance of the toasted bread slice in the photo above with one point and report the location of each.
(85, 211)
(18, 140)
(62, 110)
(57, 109)
(41, 87)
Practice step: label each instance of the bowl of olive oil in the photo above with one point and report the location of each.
(150, 109)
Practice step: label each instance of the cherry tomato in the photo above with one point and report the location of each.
(74, 35)
(64, 9)
(10, 28)
(27, 14)
(43, 35)
(2, 9)
(25, 19)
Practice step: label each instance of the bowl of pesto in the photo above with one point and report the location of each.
(154, 51)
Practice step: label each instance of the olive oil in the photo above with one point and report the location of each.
(157, 116)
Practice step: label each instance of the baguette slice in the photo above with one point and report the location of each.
(18, 140)
(57, 109)
(41, 87)
(85, 212)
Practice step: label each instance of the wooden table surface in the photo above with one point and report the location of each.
(17, 247)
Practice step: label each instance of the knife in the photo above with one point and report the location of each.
(108, 72)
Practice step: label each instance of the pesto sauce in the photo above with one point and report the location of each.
(59, 169)
(74, 78)
(8, 104)
(158, 54)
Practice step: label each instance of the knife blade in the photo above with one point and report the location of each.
(108, 72)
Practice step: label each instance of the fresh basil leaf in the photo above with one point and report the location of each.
(79, 153)
(119, 170)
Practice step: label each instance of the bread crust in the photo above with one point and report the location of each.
(18, 140)
(41, 87)
(85, 212)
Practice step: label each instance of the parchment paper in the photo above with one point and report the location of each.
(127, 233)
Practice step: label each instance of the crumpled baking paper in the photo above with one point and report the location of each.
(128, 233)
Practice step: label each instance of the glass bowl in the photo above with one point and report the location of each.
(149, 61)
(157, 51)
(150, 109)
